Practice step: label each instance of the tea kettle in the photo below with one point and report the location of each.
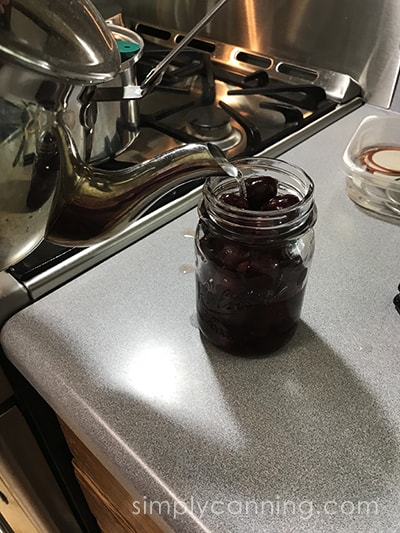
(46, 190)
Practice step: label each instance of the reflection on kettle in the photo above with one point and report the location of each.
(94, 204)
(46, 166)
(48, 191)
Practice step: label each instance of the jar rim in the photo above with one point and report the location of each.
(289, 219)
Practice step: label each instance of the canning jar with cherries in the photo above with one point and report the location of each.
(254, 244)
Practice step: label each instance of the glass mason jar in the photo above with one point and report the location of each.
(252, 266)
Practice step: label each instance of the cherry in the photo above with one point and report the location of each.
(280, 201)
(231, 255)
(234, 199)
(260, 189)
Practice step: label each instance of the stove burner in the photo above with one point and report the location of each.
(209, 123)
(213, 124)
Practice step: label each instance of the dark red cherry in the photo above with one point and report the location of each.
(234, 199)
(281, 201)
(231, 255)
(259, 190)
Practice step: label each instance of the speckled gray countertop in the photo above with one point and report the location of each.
(306, 440)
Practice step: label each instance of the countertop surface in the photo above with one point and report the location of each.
(304, 440)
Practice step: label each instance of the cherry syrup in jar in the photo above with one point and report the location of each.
(254, 245)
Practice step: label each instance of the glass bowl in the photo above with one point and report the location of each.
(371, 163)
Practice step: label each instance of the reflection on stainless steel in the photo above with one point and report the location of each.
(359, 37)
(65, 41)
(28, 171)
(103, 129)
(95, 204)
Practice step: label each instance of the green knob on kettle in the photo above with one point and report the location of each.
(127, 49)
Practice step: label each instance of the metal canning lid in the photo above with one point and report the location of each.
(63, 39)
(382, 160)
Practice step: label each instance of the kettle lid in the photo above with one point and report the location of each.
(63, 39)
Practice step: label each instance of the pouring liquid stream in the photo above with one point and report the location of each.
(234, 172)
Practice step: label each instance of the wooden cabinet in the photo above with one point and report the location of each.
(110, 503)
(13, 511)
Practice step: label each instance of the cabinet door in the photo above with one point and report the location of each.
(13, 512)
(28, 483)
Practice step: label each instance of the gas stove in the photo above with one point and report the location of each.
(247, 105)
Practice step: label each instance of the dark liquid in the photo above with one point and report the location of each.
(249, 298)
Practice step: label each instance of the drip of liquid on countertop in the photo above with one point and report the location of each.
(189, 233)
(193, 321)
(186, 269)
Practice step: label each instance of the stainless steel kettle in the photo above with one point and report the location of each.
(46, 48)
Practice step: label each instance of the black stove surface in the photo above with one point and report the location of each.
(41, 259)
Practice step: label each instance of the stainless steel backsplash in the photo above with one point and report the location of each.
(355, 37)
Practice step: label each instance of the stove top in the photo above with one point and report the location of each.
(251, 106)
(242, 107)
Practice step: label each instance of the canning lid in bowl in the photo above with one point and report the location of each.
(371, 163)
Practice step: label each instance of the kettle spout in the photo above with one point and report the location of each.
(94, 204)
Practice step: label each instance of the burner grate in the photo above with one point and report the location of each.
(261, 110)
